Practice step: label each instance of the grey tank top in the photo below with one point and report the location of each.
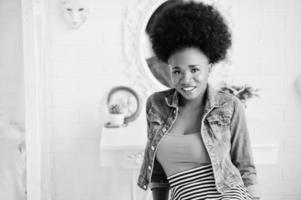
(177, 153)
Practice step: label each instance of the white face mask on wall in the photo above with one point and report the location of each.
(75, 12)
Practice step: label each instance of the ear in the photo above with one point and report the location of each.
(210, 68)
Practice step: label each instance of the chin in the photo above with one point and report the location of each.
(188, 97)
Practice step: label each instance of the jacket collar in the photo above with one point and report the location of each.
(213, 99)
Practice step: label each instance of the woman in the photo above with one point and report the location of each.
(198, 143)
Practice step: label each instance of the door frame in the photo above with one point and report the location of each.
(35, 49)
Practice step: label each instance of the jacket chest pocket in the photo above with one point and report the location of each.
(220, 127)
(154, 122)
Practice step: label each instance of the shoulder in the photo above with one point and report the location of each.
(228, 97)
(159, 97)
(229, 100)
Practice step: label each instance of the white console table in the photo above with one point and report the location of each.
(123, 148)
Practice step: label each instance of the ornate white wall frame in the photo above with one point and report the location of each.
(137, 14)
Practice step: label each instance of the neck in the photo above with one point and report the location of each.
(192, 103)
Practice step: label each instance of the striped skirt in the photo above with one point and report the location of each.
(199, 184)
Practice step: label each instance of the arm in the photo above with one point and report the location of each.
(253, 190)
(241, 150)
(158, 184)
(160, 193)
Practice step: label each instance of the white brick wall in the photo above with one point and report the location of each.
(11, 61)
(274, 50)
(87, 62)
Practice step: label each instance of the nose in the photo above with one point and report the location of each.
(186, 77)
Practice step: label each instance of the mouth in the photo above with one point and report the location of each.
(188, 89)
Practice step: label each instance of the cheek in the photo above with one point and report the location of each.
(83, 15)
(68, 15)
(175, 80)
(201, 78)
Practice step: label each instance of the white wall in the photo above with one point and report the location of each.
(87, 62)
(266, 55)
(84, 64)
(11, 60)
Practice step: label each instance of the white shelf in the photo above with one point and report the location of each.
(133, 136)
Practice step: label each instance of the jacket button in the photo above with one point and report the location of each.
(144, 186)
(164, 129)
(149, 167)
(153, 148)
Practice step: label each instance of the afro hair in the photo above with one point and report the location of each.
(163, 6)
(190, 24)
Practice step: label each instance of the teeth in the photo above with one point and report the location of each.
(188, 88)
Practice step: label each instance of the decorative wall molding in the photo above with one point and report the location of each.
(38, 165)
(137, 14)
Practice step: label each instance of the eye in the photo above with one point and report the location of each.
(81, 9)
(194, 70)
(176, 72)
(69, 9)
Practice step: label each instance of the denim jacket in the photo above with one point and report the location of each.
(224, 132)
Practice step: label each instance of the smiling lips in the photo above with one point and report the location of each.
(188, 89)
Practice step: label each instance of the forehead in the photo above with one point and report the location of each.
(188, 56)
(73, 3)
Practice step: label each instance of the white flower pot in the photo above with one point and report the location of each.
(116, 119)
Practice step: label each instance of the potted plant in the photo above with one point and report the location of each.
(243, 93)
(116, 115)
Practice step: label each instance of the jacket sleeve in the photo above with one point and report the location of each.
(158, 178)
(241, 150)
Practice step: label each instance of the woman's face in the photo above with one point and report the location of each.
(189, 72)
